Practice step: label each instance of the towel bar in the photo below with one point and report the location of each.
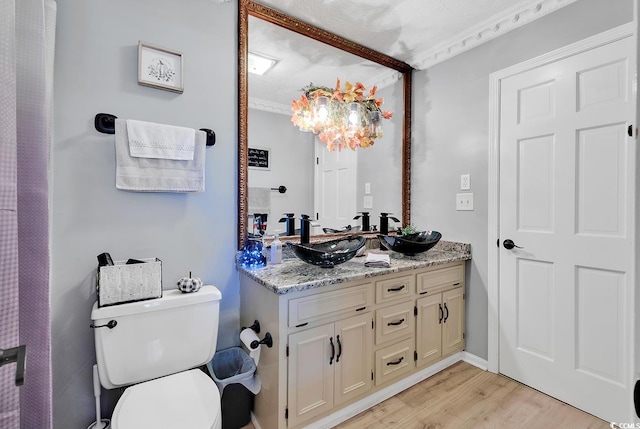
(106, 123)
(282, 189)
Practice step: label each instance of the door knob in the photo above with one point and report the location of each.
(509, 244)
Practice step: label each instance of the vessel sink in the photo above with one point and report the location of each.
(410, 244)
(328, 253)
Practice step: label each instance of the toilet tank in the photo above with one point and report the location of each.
(156, 337)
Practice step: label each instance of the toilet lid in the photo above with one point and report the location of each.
(188, 399)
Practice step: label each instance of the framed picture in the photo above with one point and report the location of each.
(159, 68)
(259, 158)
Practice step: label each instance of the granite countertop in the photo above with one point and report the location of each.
(293, 275)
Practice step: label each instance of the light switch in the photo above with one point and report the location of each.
(464, 201)
(367, 188)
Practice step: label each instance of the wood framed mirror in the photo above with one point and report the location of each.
(249, 8)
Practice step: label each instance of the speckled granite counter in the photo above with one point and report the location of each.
(294, 275)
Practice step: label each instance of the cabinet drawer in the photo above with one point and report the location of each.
(394, 361)
(397, 287)
(316, 307)
(394, 322)
(441, 279)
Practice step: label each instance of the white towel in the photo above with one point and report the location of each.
(377, 260)
(151, 140)
(158, 175)
(259, 200)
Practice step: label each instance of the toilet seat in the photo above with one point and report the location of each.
(189, 399)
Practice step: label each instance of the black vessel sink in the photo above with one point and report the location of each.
(328, 253)
(410, 244)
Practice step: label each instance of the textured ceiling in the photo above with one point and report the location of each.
(418, 32)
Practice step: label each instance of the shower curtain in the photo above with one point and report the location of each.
(27, 34)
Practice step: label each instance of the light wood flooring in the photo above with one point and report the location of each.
(463, 396)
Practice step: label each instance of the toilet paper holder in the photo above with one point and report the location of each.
(255, 327)
(267, 340)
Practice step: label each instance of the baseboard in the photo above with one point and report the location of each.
(384, 394)
(475, 361)
(255, 422)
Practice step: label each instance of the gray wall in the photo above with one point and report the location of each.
(450, 134)
(96, 71)
(291, 164)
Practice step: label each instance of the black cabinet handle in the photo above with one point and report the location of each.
(399, 322)
(441, 313)
(509, 244)
(397, 362)
(339, 349)
(333, 351)
(447, 314)
(395, 289)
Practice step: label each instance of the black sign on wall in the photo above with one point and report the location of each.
(259, 158)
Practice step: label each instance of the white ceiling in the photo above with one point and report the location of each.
(418, 32)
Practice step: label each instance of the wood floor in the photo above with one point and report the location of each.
(463, 396)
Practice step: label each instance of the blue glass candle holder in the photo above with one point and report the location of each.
(252, 256)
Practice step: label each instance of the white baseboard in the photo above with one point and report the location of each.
(475, 361)
(382, 395)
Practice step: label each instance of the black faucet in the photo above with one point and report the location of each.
(384, 222)
(365, 220)
(290, 223)
(305, 226)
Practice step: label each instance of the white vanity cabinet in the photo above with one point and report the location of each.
(337, 344)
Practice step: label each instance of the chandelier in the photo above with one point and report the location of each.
(340, 117)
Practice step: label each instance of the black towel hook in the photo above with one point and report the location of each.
(106, 123)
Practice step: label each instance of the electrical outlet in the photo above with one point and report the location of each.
(464, 201)
(465, 182)
(368, 202)
(367, 188)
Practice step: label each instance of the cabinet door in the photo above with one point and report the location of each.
(310, 385)
(354, 354)
(429, 329)
(453, 323)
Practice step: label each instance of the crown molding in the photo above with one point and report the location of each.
(269, 106)
(523, 13)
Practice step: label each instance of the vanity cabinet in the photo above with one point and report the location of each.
(337, 344)
(328, 365)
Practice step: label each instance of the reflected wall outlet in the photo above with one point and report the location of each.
(464, 201)
(368, 202)
(465, 182)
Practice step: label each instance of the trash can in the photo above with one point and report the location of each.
(233, 372)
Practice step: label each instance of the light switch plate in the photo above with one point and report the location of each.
(368, 202)
(367, 188)
(464, 201)
(465, 182)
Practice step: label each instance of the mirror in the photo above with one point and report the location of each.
(257, 105)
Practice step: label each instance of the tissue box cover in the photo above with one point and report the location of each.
(122, 282)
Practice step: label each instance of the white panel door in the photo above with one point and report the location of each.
(566, 197)
(335, 187)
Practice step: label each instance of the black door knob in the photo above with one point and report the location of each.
(509, 244)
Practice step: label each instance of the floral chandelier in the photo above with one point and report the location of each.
(340, 117)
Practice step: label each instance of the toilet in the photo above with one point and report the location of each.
(155, 348)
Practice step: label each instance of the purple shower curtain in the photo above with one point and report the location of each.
(27, 29)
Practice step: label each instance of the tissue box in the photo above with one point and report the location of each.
(122, 282)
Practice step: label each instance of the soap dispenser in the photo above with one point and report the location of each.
(305, 226)
(290, 224)
(365, 220)
(276, 249)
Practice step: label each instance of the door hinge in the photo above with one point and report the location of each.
(630, 130)
(415, 310)
(317, 216)
(287, 352)
(415, 356)
(372, 324)
(463, 335)
(317, 161)
(286, 413)
(464, 296)
(371, 375)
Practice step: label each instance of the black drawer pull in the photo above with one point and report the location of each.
(397, 362)
(457, 284)
(395, 289)
(361, 308)
(441, 313)
(424, 293)
(333, 351)
(302, 324)
(399, 322)
(339, 349)
(447, 314)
